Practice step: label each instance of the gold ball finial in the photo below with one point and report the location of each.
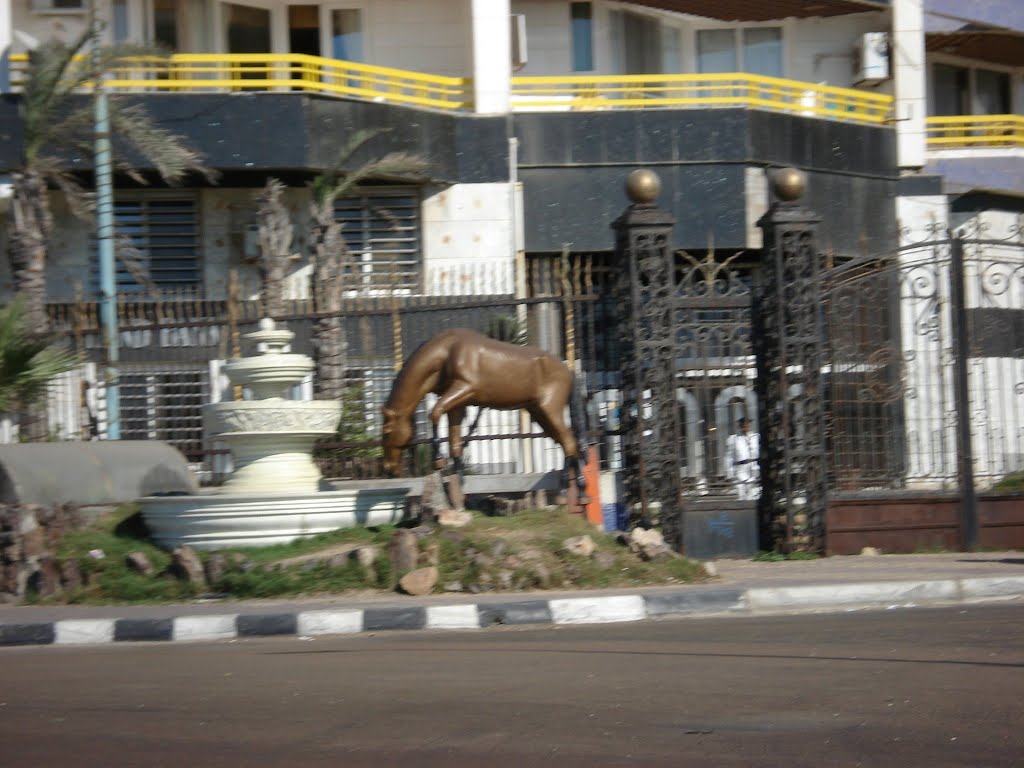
(643, 186)
(789, 184)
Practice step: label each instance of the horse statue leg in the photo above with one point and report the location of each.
(453, 403)
(549, 417)
(455, 418)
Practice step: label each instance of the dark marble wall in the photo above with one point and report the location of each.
(572, 164)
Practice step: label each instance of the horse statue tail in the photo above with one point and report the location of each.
(579, 416)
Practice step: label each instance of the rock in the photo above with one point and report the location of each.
(33, 542)
(419, 582)
(431, 553)
(241, 562)
(870, 552)
(215, 568)
(503, 507)
(139, 562)
(710, 569)
(604, 560)
(512, 562)
(432, 498)
(452, 535)
(185, 564)
(453, 586)
(365, 556)
(46, 580)
(483, 562)
(582, 546)
(504, 579)
(454, 518)
(530, 554)
(498, 549)
(540, 575)
(648, 543)
(71, 574)
(404, 552)
(27, 518)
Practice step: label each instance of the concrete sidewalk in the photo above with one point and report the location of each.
(741, 587)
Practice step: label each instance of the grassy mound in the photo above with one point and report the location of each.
(518, 553)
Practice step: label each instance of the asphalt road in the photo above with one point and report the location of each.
(900, 688)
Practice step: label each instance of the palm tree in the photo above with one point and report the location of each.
(27, 360)
(331, 254)
(57, 121)
(276, 232)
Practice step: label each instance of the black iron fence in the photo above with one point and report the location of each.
(913, 362)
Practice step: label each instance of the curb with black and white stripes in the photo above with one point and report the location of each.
(576, 610)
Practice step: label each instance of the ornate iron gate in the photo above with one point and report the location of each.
(925, 368)
(687, 367)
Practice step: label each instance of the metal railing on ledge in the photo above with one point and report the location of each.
(975, 131)
(218, 72)
(739, 89)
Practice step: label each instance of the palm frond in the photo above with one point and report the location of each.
(27, 361)
(48, 82)
(80, 200)
(168, 152)
(337, 181)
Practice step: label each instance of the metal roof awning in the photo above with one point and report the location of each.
(764, 10)
(996, 46)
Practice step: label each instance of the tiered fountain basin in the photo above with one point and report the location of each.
(218, 520)
(276, 493)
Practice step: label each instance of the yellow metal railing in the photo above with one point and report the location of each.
(973, 131)
(205, 72)
(738, 89)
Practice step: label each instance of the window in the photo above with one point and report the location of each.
(382, 231)
(757, 50)
(991, 92)
(951, 90)
(165, 403)
(165, 24)
(58, 6)
(641, 45)
(968, 91)
(164, 231)
(347, 34)
(119, 20)
(582, 37)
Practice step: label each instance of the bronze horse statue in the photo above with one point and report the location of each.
(465, 368)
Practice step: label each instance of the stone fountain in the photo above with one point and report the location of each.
(275, 493)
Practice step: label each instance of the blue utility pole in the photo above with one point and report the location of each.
(105, 236)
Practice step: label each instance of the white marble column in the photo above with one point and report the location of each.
(491, 44)
(910, 81)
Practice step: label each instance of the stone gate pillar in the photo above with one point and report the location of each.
(652, 437)
(789, 347)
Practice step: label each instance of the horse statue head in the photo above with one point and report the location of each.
(397, 432)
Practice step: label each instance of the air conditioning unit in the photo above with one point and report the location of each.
(872, 58)
(59, 6)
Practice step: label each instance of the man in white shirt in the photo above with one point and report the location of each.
(741, 465)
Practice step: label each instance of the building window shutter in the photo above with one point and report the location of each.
(382, 231)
